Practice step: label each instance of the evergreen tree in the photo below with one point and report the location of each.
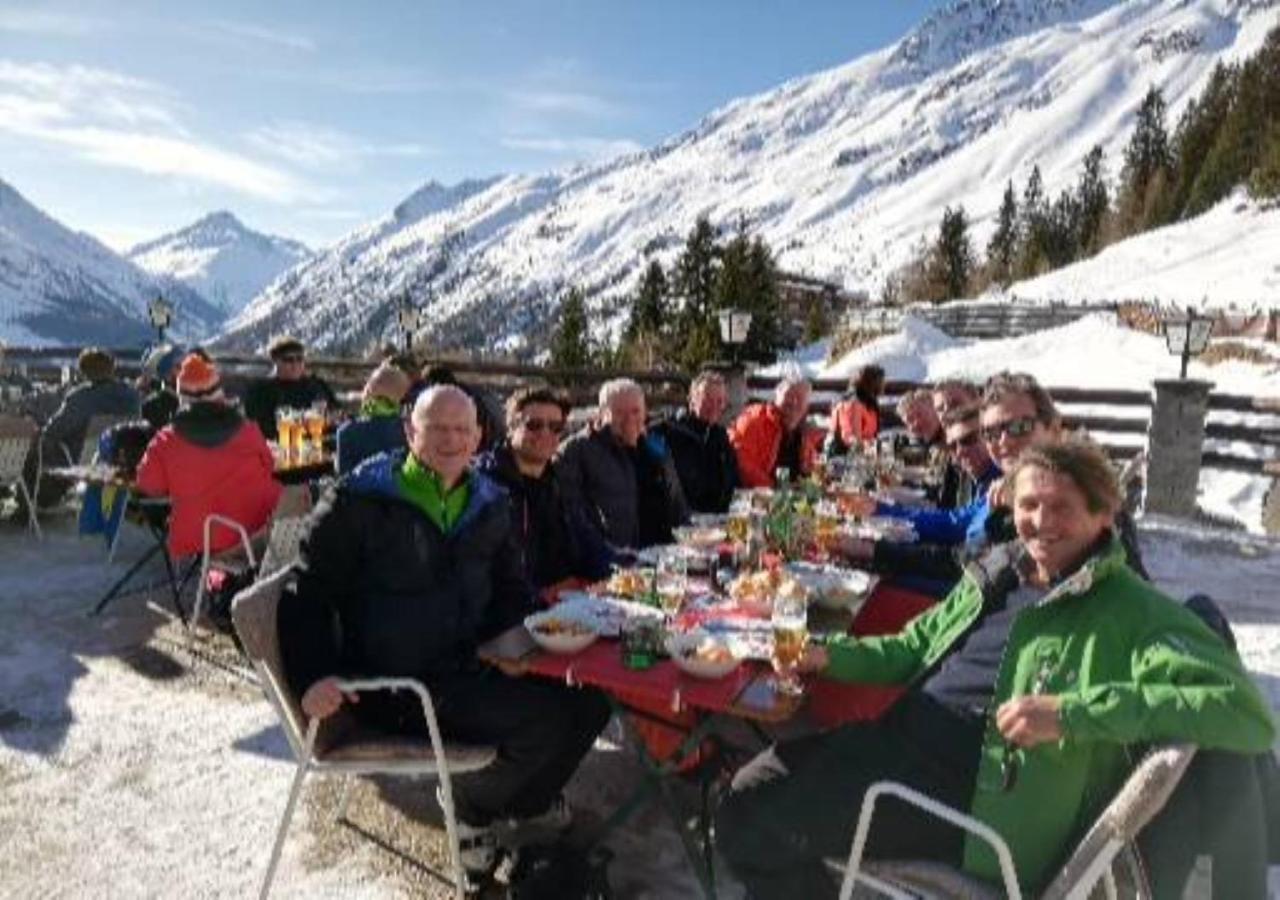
(1265, 181)
(649, 310)
(1003, 246)
(1194, 139)
(694, 281)
(817, 321)
(952, 256)
(1033, 222)
(765, 338)
(571, 342)
(1092, 203)
(1148, 163)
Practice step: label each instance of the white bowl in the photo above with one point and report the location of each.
(701, 536)
(560, 642)
(682, 649)
(832, 587)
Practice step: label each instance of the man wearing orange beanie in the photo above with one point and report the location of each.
(209, 460)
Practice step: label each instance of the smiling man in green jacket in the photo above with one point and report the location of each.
(1030, 683)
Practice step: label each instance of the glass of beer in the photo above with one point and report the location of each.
(826, 526)
(314, 421)
(738, 526)
(790, 635)
(288, 431)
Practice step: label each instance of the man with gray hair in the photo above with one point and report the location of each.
(700, 447)
(410, 563)
(771, 436)
(618, 478)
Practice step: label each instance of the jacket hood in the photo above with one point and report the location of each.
(208, 424)
(376, 477)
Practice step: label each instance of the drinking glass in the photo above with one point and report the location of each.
(738, 526)
(289, 431)
(314, 419)
(826, 526)
(673, 580)
(790, 635)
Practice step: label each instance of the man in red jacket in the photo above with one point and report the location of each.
(770, 436)
(209, 460)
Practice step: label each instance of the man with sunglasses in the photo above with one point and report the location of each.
(699, 445)
(557, 545)
(290, 386)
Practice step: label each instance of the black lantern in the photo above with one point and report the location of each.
(735, 325)
(410, 318)
(1186, 335)
(160, 311)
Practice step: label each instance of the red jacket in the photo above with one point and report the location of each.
(756, 437)
(210, 460)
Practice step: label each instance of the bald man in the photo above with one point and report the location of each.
(410, 563)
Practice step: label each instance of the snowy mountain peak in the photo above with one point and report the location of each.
(221, 258)
(434, 197)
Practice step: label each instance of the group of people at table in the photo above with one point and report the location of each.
(1047, 658)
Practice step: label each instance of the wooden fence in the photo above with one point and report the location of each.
(1118, 420)
(974, 320)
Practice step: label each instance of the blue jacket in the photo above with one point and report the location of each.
(962, 525)
(367, 436)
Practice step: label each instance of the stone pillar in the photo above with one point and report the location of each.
(1175, 440)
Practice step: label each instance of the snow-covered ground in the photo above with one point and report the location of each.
(137, 763)
(1094, 352)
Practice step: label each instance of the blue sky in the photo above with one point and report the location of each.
(127, 119)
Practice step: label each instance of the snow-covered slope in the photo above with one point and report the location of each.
(59, 286)
(1228, 256)
(841, 172)
(220, 258)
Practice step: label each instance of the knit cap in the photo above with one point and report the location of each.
(198, 379)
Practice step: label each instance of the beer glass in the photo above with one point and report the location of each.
(790, 635)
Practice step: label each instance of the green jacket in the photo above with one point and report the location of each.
(1130, 665)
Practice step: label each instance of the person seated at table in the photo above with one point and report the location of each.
(155, 380)
(1029, 684)
(559, 549)
(379, 426)
(209, 460)
(617, 478)
(409, 564)
(62, 437)
(856, 418)
(289, 387)
(771, 436)
(699, 445)
(924, 428)
(955, 393)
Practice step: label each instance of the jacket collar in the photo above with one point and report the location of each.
(376, 477)
(1001, 569)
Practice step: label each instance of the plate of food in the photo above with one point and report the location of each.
(629, 583)
(559, 633)
(833, 587)
(755, 591)
(700, 654)
(700, 536)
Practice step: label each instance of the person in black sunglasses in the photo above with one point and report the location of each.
(558, 547)
(290, 386)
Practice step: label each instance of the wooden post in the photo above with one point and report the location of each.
(1175, 442)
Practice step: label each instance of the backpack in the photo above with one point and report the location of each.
(557, 871)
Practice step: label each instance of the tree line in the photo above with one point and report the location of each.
(674, 313)
(1228, 136)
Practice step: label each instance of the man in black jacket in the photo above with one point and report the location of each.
(700, 448)
(409, 565)
(557, 545)
(289, 387)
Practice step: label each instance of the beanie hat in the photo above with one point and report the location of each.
(283, 345)
(162, 360)
(198, 379)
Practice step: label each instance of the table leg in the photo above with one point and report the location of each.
(124, 579)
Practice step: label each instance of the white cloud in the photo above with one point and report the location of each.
(23, 21)
(246, 33)
(318, 146)
(123, 122)
(577, 147)
(574, 102)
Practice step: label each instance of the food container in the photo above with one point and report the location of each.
(700, 654)
(557, 633)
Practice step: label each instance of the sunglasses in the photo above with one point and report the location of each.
(1016, 428)
(555, 426)
(960, 443)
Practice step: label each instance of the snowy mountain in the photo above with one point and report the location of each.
(59, 286)
(841, 172)
(220, 258)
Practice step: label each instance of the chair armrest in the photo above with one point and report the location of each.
(215, 519)
(935, 808)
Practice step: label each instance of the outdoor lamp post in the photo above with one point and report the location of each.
(410, 320)
(1186, 335)
(735, 325)
(160, 311)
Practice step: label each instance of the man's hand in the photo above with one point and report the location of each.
(996, 494)
(1030, 720)
(814, 659)
(323, 698)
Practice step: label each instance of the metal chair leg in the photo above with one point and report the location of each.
(344, 798)
(294, 792)
(31, 508)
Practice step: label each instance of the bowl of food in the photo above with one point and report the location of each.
(630, 583)
(701, 654)
(754, 592)
(558, 633)
(832, 587)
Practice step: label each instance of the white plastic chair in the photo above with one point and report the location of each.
(16, 437)
(236, 558)
(1092, 864)
(328, 748)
